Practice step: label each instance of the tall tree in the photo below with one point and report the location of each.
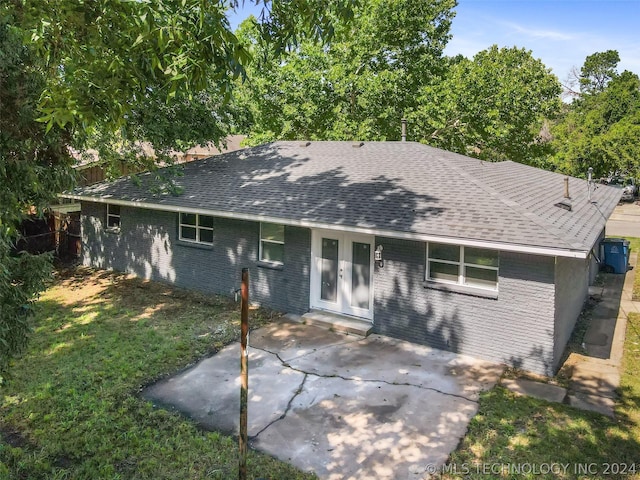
(389, 64)
(600, 130)
(491, 107)
(361, 85)
(105, 54)
(33, 167)
(113, 73)
(598, 70)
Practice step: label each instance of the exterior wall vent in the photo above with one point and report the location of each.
(564, 205)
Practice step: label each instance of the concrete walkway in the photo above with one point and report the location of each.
(625, 221)
(594, 375)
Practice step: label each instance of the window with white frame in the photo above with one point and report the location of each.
(272, 243)
(196, 228)
(471, 266)
(113, 216)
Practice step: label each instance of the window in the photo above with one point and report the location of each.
(471, 266)
(272, 243)
(196, 228)
(113, 216)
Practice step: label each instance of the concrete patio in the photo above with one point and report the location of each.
(340, 406)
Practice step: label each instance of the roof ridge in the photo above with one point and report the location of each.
(515, 206)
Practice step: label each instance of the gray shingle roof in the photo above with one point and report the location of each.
(402, 187)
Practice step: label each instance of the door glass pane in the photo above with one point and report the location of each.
(329, 270)
(443, 271)
(481, 277)
(360, 275)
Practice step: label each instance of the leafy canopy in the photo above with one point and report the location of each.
(600, 129)
(114, 75)
(598, 70)
(491, 107)
(105, 55)
(389, 64)
(33, 166)
(359, 86)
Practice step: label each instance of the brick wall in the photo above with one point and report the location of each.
(148, 246)
(594, 265)
(517, 328)
(572, 289)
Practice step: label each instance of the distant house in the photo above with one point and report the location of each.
(63, 234)
(92, 169)
(486, 259)
(232, 143)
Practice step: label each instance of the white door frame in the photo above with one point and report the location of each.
(345, 251)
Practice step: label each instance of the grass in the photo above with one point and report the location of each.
(635, 247)
(511, 432)
(72, 409)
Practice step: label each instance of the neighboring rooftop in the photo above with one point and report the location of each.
(403, 189)
(90, 157)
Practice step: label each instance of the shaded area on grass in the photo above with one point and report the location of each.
(72, 406)
(511, 431)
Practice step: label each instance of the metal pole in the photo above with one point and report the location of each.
(244, 373)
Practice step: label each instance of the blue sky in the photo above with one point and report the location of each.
(559, 32)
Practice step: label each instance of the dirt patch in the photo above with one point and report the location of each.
(13, 438)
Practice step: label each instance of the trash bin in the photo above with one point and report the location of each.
(616, 254)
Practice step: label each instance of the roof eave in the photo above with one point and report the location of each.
(510, 247)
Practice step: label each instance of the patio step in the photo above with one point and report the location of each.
(337, 323)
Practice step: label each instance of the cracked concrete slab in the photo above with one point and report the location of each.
(209, 393)
(340, 406)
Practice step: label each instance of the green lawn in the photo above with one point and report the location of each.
(72, 409)
(635, 247)
(511, 431)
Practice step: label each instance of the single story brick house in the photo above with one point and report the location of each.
(487, 259)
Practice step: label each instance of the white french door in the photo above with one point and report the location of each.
(342, 273)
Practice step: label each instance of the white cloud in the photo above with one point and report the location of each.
(559, 48)
(538, 33)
